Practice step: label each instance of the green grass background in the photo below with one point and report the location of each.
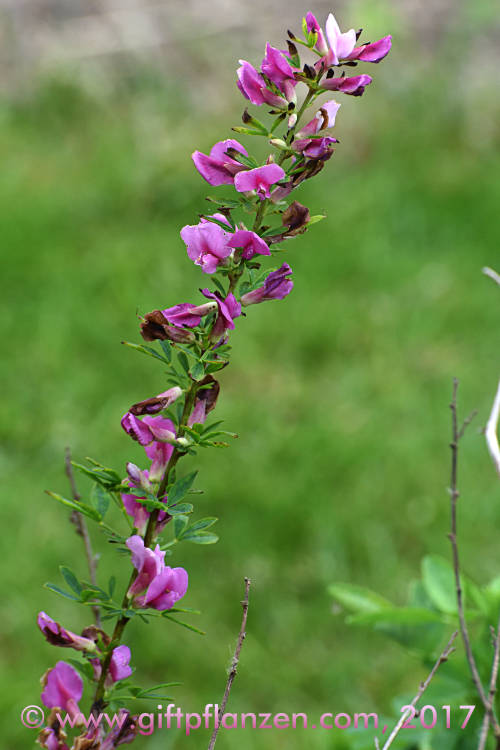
(339, 393)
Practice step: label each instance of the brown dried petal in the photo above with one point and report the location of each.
(296, 218)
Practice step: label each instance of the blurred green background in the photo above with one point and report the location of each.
(339, 394)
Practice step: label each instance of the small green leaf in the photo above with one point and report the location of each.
(396, 616)
(86, 510)
(198, 371)
(167, 350)
(183, 624)
(100, 499)
(61, 592)
(200, 537)
(183, 360)
(180, 523)
(111, 586)
(180, 488)
(203, 523)
(356, 598)
(71, 579)
(439, 582)
(180, 509)
(146, 350)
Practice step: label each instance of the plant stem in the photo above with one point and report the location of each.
(148, 538)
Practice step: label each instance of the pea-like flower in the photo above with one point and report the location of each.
(250, 244)
(119, 666)
(218, 168)
(276, 286)
(259, 179)
(228, 309)
(59, 636)
(277, 68)
(162, 586)
(207, 244)
(253, 87)
(352, 85)
(63, 688)
(373, 52)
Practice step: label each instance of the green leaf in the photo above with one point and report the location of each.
(111, 586)
(84, 667)
(198, 371)
(183, 360)
(203, 523)
(145, 691)
(439, 582)
(396, 616)
(167, 350)
(315, 219)
(200, 537)
(100, 499)
(71, 579)
(180, 523)
(61, 592)
(357, 598)
(180, 509)
(180, 488)
(183, 624)
(147, 350)
(86, 510)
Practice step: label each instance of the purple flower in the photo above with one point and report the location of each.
(163, 586)
(52, 740)
(136, 509)
(182, 315)
(158, 451)
(59, 636)
(259, 179)
(228, 310)
(119, 667)
(353, 85)
(206, 398)
(219, 168)
(250, 243)
(63, 688)
(313, 26)
(149, 429)
(122, 734)
(207, 244)
(317, 148)
(146, 561)
(277, 68)
(374, 52)
(276, 286)
(253, 87)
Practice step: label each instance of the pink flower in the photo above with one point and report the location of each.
(341, 44)
(63, 688)
(374, 52)
(313, 26)
(229, 309)
(122, 734)
(259, 179)
(253, 87)
(206, 244)
(50, 740)
(157, 403)
(119, 667)
(149, 429)
(277, 68)
(158, 451)
(353, 85)
(276, 286)
(250, 243)
(219, 168)
(59, 636)
(206, 398)
(317, 148)
(182, 315)
(136, 509)
(163, 586)
(148, 563)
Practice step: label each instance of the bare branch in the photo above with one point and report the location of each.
(491, 432)
(82, 530)
(454, 495)
(493, 686)
(234, 663)
(423, 687)
(492, 274)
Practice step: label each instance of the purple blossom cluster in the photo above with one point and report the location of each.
(194, 341)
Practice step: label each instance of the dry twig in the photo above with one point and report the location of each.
(234, 663)
(423, 687)
(454, 495)
(491, 432)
